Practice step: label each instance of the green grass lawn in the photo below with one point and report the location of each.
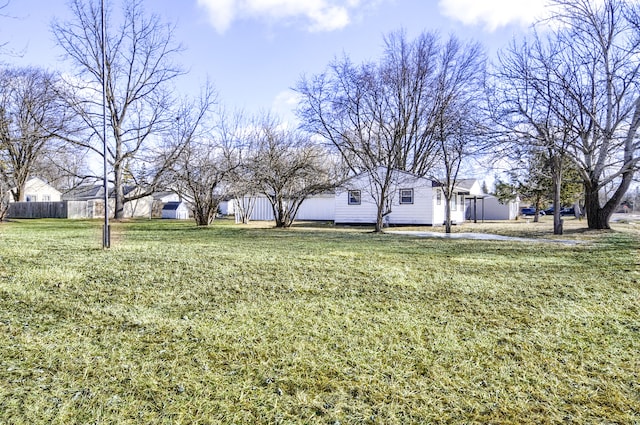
(240, 324)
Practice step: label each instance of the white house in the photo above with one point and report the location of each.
(175, 210)
(37, 190)
(483, 206)
(490, 208)
(414, 200)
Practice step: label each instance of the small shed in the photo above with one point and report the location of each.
(175, 210)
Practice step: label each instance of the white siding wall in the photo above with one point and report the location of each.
(364, 213)
(490, 208)
(37, 190)
(139, 207)
(262, 210)
(438, 209)
(182, 213)
(227, 207)
(457, 214)
(318, 208)
(315, 208)
(422, 211)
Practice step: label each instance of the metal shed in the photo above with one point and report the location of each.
(175, 210)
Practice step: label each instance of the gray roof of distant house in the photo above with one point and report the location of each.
(87, 192)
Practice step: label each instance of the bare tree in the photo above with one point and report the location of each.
(31, 115)
(386, 116)
(243, 188)
(287, 167)
(410, 81)
(577, 91)
(3, 4)
(202, 174)
(4, 199)
(139, 72)
(457, 114)
(61, 165)
(531, 112)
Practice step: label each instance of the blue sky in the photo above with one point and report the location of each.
(254, 51)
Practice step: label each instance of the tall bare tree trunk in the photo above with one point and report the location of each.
(596, 217)
(447, 214)
(379, 218)
(118, 194)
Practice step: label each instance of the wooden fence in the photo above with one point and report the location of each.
(62, 209)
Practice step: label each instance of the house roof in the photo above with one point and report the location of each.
(84, 192)
(470, 187)
(462, 186)
(172, 206)
(90, 191)
(398, 175)
(36, 183)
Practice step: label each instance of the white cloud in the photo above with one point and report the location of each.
(284, 106)
(317, 15)
(221, 13)
(493, 13)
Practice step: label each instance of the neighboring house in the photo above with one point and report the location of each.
(175, 210)
(141, 207)
(471, 187)
(90, 198)
(37, 190)
(41, 201)
(414, 201)
(483, 206)
(493, 209)
(474, 196)
(93, 196)
(160, 199)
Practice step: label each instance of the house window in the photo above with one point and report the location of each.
(354, 197)
(31, 198)
(46, 198)
(454, 202)
(438, 197)
(406, 196)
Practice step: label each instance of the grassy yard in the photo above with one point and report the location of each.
(241, 324)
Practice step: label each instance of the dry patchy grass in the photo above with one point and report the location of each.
(246, 324)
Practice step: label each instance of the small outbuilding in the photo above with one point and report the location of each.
(175, 210)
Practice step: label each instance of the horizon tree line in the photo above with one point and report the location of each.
(429, 106)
